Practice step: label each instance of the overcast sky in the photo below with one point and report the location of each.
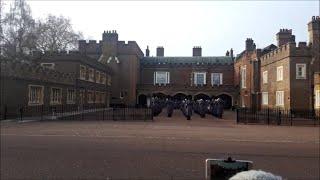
(178, 26)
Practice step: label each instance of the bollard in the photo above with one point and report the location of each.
(5, 112)
(41, 112)
(268, 116)
(21, 111)
(237, 116)
(291, 117)
(279, 117)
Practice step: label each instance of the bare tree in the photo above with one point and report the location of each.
(18, 31)
(56, 34)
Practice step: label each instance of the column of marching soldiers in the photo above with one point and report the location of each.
(187, 106)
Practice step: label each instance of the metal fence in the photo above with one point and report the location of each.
(76, 112)
(289, 117)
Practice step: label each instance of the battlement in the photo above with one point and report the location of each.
(129, 48)
(89, 47)
(17, 69)
(286, 50)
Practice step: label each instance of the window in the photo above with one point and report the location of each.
(199, 78)
(301, 71)
(265, 77)
(216, 79)
(103, 97)
(71, 95)
(243, 76)
(103, 78)
(97, 77)
(35, 95)
(81, 96)
(280, 73)
(48, 65)
(90, 96)
(91, 74)
(265, 98)
(279, 98)
(83, 70)
(97, 97)
(56, 95)
(109, 80)
(317, 100)
(161, 77)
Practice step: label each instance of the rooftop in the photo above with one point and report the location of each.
(188, 60)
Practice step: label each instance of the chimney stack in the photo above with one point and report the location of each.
(231, 53)
(147, 51)
(250, 46)
(160, 51)
(284, 36)
(196, 51)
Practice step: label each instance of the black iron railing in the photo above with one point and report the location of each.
(75, 112)
(278, 116)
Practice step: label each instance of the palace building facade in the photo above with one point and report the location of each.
(118, 73)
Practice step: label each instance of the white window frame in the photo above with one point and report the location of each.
(90, 100)
(265, 77)
(38, 100)
(82, 95)
(157, 74)
(243, 75)
(71, 98)
(220, 78)
(265, 98)
(55, 100)
(98, 76)
(317, 99)
(109, 80)
(280, 73)
(91, 75)
(83, 72)
(303, 72)
(195, 74)
(280, 98)
(45, 65)
(103, 78)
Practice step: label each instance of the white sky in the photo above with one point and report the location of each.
(178, 26)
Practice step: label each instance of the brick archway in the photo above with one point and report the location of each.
(228, 100)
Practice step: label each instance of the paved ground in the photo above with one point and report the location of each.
(163, 149)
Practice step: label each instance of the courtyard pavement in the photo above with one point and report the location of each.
(167, 148)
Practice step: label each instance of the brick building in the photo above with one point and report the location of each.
(117, 73)
(246, 74)
(283, 76)
(180, 77)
